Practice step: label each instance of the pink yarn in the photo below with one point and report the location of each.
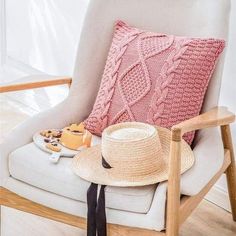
(154, 78)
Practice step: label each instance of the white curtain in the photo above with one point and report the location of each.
(44, 34)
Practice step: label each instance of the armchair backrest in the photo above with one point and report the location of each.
(195, 18)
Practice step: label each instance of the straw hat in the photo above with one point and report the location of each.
(131, 154)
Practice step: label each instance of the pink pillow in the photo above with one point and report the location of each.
(154, 78)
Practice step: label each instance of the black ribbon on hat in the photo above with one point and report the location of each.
(105, 164)
(96, 216)
(92, 206)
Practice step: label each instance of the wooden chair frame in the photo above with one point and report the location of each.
(178, 207)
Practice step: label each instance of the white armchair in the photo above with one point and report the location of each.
(29, 182)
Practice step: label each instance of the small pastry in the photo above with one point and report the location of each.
(46, 133)
(77, 128)
(53, 147)
(75, 136)
(47, 140)
(51, 133)
(56, 133)
(43, 133)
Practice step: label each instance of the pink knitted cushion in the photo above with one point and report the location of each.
(155, 78)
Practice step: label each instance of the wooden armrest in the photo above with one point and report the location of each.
(32, 82)
(217, 116)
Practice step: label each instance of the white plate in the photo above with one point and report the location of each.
(39, 141)
(65, 152)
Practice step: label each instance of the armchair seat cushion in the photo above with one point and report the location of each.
(31, 165)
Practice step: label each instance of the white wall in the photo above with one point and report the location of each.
(44, 34)
(228, 90)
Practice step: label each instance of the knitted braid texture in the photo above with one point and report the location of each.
(153, 78)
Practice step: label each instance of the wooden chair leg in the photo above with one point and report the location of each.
(173, 194)
(231, 170)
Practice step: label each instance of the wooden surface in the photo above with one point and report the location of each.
(231, 171)
(9, 87)
(218, 116)
(215, 117)
(173, 193)
(209, 220)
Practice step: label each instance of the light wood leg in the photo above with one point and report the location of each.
(173, 195)
(231, 170)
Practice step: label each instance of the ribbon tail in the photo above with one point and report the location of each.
(92, 204)
(101, 214)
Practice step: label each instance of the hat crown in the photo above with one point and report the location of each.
(130, 134)
(132, 149)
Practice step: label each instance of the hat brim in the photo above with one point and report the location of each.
(88, 165)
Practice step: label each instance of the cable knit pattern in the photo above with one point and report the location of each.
(155, 78)
(166, 76)
(122, 37)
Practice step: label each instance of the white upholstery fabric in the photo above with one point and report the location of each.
(30, 171)
(199, 18)
(209, 157)
(31, 165)
(152, 220)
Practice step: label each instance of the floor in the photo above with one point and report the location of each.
(18, 107)
(209, 220)
(218, 223)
